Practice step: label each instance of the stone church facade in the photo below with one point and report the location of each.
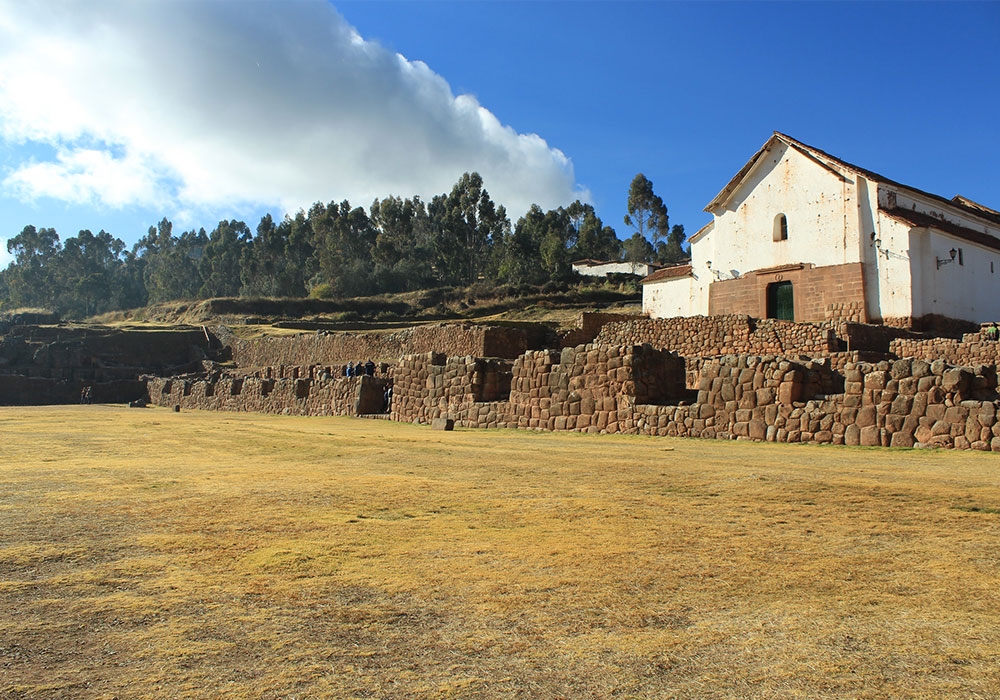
(801, 235)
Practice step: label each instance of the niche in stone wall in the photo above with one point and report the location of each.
(301, 388)
(209, 389)
(167, 387)
(236, 387)
(660, 377)
(371, 395)
(266, 386)
(491, 381)
(186, 389)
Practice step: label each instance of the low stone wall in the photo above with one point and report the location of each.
(426, 386)
(606, 389)
(972, 349)
(18, 390)
(343, 396)
(868, 337)
(337, 348)
(591, 324)
(698, 336)
(575, 388)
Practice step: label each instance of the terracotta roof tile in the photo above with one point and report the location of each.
(668, 273)
(916, 218)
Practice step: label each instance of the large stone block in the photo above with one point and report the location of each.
(866, 417)
(956, 379)
(901, 439)
(875, 381)
(870, 436)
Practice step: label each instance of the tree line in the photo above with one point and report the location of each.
(332, 250)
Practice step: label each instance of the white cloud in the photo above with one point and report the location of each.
(223, 104)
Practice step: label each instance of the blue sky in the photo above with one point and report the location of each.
(120, 135)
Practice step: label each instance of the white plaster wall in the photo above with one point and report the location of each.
(609, 268)
(681, 296)
(967, 289)
(821, 209)
(888, 279)
(667, 298)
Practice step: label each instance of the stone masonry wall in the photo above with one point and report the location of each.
(698, 336)
(904, 403)
(339, 348)
(591, 324)
(343, 396)
(19, 390)
(575, 388)
(972, 349)
(833, 292)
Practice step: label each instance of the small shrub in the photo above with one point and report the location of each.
(321, 291)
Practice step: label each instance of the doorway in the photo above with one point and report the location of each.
(780, 301)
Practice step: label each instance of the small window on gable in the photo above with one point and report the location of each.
(991, 267)
(780, 228)
(961, 260)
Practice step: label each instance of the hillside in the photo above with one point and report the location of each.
(553, 304)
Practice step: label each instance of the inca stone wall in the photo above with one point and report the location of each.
(572, 389)
(97, 353)
(53, 364)
(326, 396)
(341, 347)
(591, 324)
(635, 389)
(972, 349)
(698, 336)
(19, 390)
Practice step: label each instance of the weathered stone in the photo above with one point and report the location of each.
(955, 379)
(866, 416)
(870, 437)
(901, 439)
(875, 381)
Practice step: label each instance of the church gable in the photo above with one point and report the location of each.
(787, 207)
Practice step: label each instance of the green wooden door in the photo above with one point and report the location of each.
(780, 301)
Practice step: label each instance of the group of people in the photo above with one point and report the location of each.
(366, 369)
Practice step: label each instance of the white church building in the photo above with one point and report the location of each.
(802, 235)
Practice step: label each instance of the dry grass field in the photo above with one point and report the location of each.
(148, 554)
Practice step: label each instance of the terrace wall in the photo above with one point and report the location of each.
(972, 349)
(699, 336)
(606, 389)
(341, 347)
(327, 396)
(19, 390)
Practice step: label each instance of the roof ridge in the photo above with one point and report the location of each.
(973, 209)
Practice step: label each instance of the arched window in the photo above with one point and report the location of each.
(780, 228)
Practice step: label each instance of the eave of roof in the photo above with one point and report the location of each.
(961, 204)
(701, 232)
(922, 220)
(667, 273)
(957, 202)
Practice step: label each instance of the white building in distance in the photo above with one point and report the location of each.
(600, 268)
(801, 235)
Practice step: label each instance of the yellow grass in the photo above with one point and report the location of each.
(148, 554)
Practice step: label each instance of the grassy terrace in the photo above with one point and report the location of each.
(148, 554)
